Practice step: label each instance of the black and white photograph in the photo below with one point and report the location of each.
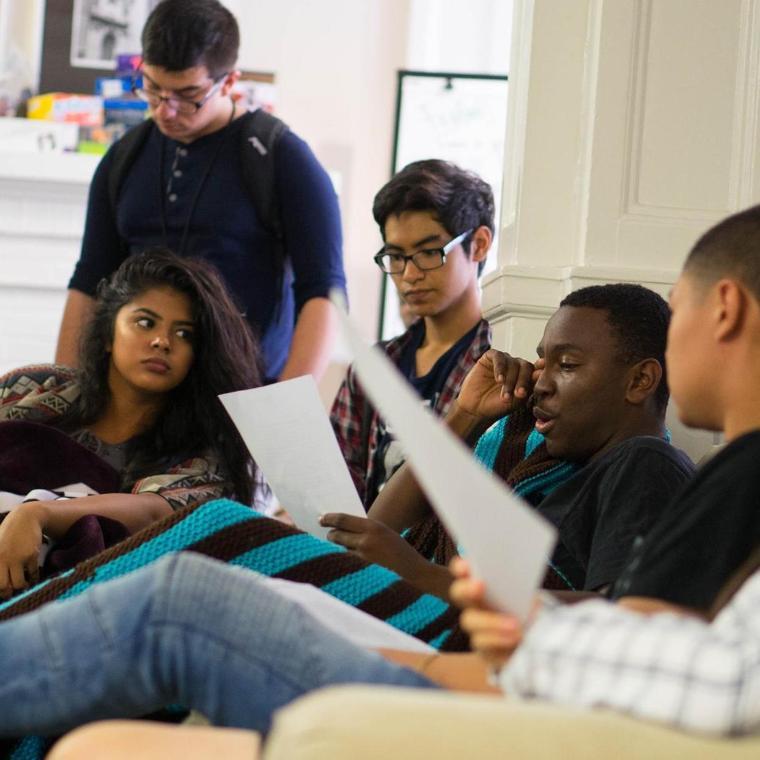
(103, 29)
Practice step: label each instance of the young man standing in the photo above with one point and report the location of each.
(186, 189)
(437, 223)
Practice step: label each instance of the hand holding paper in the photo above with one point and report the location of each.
(375, 542)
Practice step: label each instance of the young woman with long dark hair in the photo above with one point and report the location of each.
(165, 339)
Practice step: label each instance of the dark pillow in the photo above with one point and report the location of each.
(88, 536)
(38, 456)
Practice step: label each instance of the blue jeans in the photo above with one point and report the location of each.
(185, 630)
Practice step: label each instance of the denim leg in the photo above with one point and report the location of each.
(74, 661)
(186, 629)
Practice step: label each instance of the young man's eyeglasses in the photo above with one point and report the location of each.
(187, 106)
(428, 258)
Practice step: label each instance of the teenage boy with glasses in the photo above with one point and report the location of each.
(437, 225)
(186, 189)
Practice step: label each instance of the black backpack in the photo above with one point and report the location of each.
(258, 140)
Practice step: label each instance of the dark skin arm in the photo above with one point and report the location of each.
(494, 386)
(375, 542)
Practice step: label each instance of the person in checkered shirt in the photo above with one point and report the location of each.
(437, 224)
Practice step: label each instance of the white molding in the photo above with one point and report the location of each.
(589, 94)
(747, 102)
(41, 235)
(602, 273)
(45, 168)
(740, 156)
(535, 292)
(43, 199)
(516, 127)
(15, 288)
(635, 118)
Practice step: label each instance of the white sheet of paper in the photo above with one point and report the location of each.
(357, 626)
(288, 433)
(506, 542)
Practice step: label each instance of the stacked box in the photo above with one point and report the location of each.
(85, 110)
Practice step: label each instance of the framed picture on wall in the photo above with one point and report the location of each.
(103, 29)
(81, 39)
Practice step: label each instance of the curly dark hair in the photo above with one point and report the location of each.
(460, 200)
(639, 317)
(180, 34)
(226, 358)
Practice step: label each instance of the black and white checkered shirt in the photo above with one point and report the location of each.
(667, 668)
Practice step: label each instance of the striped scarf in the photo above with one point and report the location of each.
(514, 451)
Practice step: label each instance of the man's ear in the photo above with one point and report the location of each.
(480, 243)
(644, 379)
(731, 305)
(229, 82)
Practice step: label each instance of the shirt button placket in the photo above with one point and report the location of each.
(177, 173)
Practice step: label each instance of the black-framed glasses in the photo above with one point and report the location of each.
(187, 106)
(427, 258)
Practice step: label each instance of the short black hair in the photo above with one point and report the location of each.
(459, 199)
(729, 249)
(639, 318)
(180, 34)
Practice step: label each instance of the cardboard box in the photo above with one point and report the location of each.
(85, 110)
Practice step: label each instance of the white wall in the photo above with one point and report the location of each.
(471, 37)
(20, 43)
(335, 64)
(633, 126)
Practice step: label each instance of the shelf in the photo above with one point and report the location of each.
(70, 168)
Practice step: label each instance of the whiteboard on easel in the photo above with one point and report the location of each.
(456, 117)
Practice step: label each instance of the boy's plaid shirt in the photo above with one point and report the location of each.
(356, 424)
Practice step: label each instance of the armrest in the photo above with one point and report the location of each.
(374, 723)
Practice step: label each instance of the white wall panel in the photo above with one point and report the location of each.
(632, 128)
(42, 207)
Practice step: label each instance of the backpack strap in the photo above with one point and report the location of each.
(124, 154)
(260, 134)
